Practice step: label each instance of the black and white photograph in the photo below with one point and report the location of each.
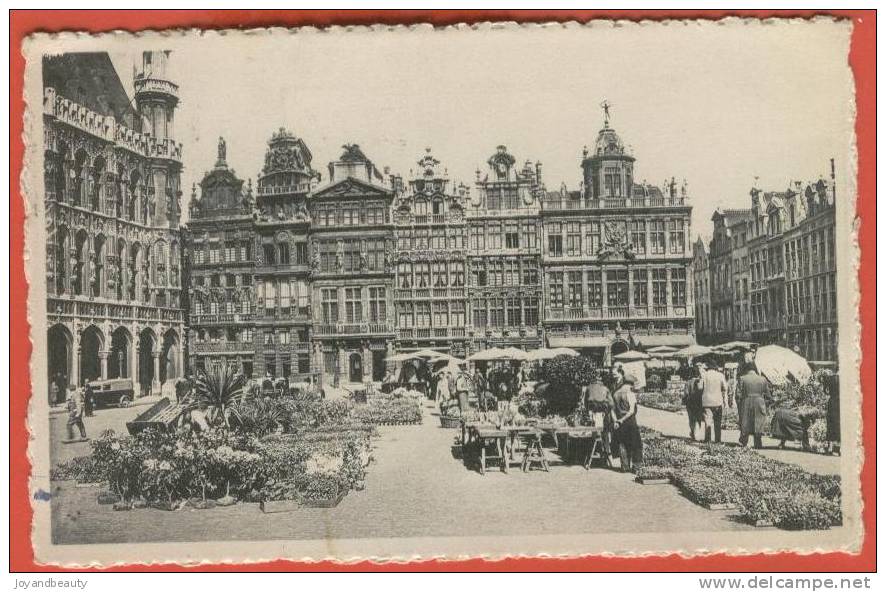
(475, 291)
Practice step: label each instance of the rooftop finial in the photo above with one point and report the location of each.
(222, 152)
(605, 105)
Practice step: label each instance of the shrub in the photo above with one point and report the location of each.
(565, 377)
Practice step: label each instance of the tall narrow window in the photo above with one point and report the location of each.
(514, 315)
(329, 305)
(638, 236)
(659, 287)
(678, 286)
(573, 239)
(641, 290)
(353, 305)
(555, 290)
(555, 240)
(378, 306)
(595, 288)
(617, 287)
(575, 289)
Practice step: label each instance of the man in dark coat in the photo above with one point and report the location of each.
(751, 401)
(692, 401)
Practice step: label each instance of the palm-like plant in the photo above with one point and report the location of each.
(260, 415)
(220, 389)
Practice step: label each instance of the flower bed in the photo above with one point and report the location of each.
(166, 470)
(661, 400)
(389, 410)
(762, 489)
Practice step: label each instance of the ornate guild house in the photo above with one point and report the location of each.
(111, 197)
(504, 273)
(429, 285)
(352, 270)
(616, 258)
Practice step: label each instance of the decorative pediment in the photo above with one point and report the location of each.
(352, 188)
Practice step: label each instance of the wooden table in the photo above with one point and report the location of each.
(486, 436)
(597, 446)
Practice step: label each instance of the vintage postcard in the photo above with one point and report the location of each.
(402, 293)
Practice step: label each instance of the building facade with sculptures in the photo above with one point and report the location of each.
(616, 259)
(430, 233)
(112, 196)
(310, 280)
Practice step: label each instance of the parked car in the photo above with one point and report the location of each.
(116, 391)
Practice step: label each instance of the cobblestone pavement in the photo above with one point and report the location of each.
(676, 424)
(416, 487)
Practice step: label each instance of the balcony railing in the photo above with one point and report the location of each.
(612, 202)
(112, 311)
(615, 313)
(354, 329)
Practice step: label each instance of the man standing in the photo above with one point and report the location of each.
(692, 401)
(751, 400)
(75, 413)
(713, 396)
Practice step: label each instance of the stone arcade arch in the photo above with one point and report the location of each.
(60, 361)
(92, 343)
(119, 357)
(148, 362)
(169, 357)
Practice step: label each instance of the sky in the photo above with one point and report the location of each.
(724, 106)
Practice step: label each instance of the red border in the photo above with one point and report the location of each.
(862, 58)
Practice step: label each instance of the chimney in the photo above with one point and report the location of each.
(538, 172)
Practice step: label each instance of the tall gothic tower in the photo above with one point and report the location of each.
(156, 98)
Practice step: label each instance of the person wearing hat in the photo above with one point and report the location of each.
(713, 397)
(626, 435)
(751, 400)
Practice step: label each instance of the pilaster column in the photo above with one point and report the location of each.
(136, 365)
(155, 382)
(103, 358)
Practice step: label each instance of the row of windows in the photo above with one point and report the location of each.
(232, 251)
(424, 314)
(427, 275)
(355, 255)
(616, 287)
(347, 305)
(510, 272)
(350, 214)
(505, 312)
(507, 234)
(656, 238)
(433, 238)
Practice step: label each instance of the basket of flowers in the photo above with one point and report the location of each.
(451, 415)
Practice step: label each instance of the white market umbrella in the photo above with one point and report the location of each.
(493, 353)
(428, 354)
(631, 356)
(565, 351)
(543, 353)
(661, 349)
(778, 363)
(512, 353)
(736, 345)
(692, 351)
(401, 357)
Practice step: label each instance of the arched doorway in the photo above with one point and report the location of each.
(618, 347)
(146, 344)
(355, 368)
(59, 357)
(169, 356)
(118, 359)
(91, 342)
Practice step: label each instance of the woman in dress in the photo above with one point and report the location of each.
(626, 435)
